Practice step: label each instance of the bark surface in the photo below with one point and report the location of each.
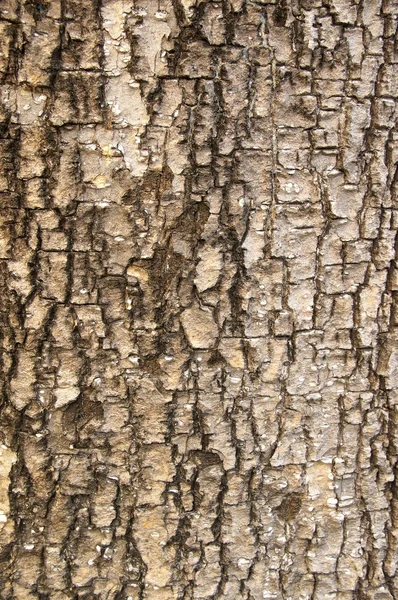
(198, 290)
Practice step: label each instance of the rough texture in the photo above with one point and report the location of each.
(198, 289)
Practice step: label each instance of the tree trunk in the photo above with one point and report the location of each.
(198, 300)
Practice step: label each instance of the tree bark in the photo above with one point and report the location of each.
(198, 289)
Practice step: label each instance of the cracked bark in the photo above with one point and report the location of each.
(198, 289)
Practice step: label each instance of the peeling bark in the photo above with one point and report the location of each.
(198, 288)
